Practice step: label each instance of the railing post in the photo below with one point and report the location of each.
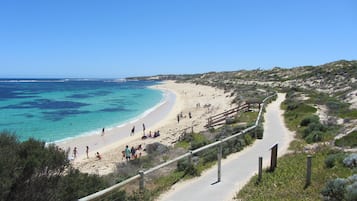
(274, 157)
(260, 168)
(219, 154)
(141, 183)
(308, 170)
(190, 157)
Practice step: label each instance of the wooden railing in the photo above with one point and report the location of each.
(142, 174)
(221, 118)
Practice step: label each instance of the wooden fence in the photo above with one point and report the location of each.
(141, 174)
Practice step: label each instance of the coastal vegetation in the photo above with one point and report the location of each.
(334, 169)
(163, 179)
(34, 171)
(287, 182)
(318, 108)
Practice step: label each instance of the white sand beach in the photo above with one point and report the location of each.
(180, 98)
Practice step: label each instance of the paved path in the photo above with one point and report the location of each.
(238, 168)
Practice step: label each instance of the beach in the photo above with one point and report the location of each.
(171, 117)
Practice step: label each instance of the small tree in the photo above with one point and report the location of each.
(30, 170)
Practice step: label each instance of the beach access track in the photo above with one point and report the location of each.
(235, 171)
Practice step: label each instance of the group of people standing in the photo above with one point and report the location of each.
(180, 116)
(131, 153)
(75, 152)
(133, 130)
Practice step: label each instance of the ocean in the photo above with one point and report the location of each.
(57, 109)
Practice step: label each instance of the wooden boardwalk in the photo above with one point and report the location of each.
(220, 119)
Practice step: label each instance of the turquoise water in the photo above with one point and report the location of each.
(53, 110)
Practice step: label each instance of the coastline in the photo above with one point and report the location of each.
(121, 132)
(180, 98)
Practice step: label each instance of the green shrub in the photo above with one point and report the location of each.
(332, 159)
(292, 106)
(351, 190)
(40, 172)
(348, 140)
(351, 161)
(248, 139)
(314, 126)
(334, 190)
(341, 189)
(188, 168)
(209, 155)
(310, 119)
(314, 136)
(198, 142)
(138, 195)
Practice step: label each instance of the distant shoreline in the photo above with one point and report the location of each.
(121, 132)
(192, 103)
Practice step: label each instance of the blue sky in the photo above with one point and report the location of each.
(111, 39)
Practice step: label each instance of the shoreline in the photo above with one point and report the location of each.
(181, 98)
(121, 132)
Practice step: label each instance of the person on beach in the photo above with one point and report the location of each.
(178, 118)
(103, 130)
(127, 153)
(132, 130)
(98, 156)
(156, 133)
(75, 152)
(189, 115)
(133, 152)
(87, 151)
(122, 155)
(143, 129)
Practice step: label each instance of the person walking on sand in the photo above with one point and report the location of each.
(103, 130)
(98, 156)
(127, 153)
(133, 152)
(143, 129)
(132, 131)
(87, 151)
(75, 152)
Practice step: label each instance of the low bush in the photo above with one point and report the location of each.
(334, 189)
(248, 139)
(341, 189)
(349, 140)
(187, 168)
(314, 136)
(351, 161)
(332, 159)
(310, 119)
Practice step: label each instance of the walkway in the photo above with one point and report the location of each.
(238, 168)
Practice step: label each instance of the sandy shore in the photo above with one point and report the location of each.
(183, 98)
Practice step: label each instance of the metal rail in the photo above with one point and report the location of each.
(142, 173)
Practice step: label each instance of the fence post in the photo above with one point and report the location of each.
(141, 183)
(260, 169)
(274, 157)
(190, 157)
(219, 154)
(308, 170)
